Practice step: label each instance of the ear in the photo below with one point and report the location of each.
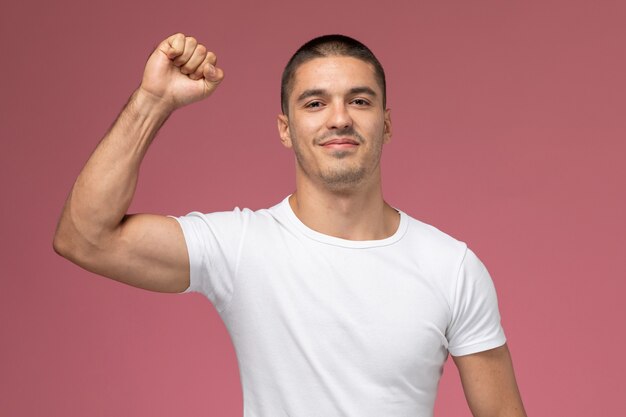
(283, 130)
(387, 127)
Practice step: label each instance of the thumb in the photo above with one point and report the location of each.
(173, 46)
(212, 74)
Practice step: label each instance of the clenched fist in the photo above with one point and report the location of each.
(180, 71)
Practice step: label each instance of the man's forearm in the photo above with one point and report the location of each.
(105, 187)
(143, 250)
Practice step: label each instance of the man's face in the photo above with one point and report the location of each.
(336, 124)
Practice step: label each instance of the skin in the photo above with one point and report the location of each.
(489, 383)
(94, 231)
(339, 191)
(338, 186)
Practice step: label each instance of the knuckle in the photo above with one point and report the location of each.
(178, 39)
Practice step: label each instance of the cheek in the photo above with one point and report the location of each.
(380, 128)
(369, 124)
(373, 132)
(303, 133)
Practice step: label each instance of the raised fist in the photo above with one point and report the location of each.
(180, 71)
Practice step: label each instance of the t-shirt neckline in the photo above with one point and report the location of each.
(337, 241)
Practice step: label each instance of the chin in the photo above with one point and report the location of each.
(346, 179)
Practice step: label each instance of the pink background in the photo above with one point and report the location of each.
(509, 133)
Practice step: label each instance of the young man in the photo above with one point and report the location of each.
(337, 303)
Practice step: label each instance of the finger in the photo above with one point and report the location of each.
(198, 56)
(212, 58)
(173, 46)
(190, 46)
(212, 74)
(209, 59)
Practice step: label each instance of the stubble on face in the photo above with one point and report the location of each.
(320, 86)
(339, 176)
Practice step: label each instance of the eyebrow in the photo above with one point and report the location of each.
(320, 92)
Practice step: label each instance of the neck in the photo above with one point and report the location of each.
(357, 214)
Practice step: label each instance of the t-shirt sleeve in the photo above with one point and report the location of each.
(475, 324)
(213, 244)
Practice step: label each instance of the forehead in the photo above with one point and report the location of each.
(334, 73)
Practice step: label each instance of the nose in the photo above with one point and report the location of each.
(339, 117)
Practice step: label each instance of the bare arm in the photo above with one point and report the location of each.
(489, 383)
(94, 231)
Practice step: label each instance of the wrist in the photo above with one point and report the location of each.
(148, 104)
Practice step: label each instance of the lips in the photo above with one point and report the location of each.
(340, 141)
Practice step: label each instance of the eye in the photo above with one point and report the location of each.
(313, 104)
(361, 102)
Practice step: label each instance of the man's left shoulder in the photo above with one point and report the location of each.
(433, 243)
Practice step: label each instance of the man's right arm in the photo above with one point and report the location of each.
(94, 231)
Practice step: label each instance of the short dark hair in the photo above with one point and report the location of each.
(324, 46)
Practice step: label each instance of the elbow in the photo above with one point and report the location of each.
(69, 247)
(61, 244)
(77, 247)
(77, 240)
(69, 243)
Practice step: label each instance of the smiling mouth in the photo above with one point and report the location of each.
(340, 142)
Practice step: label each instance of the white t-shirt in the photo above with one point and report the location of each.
(324, 326)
